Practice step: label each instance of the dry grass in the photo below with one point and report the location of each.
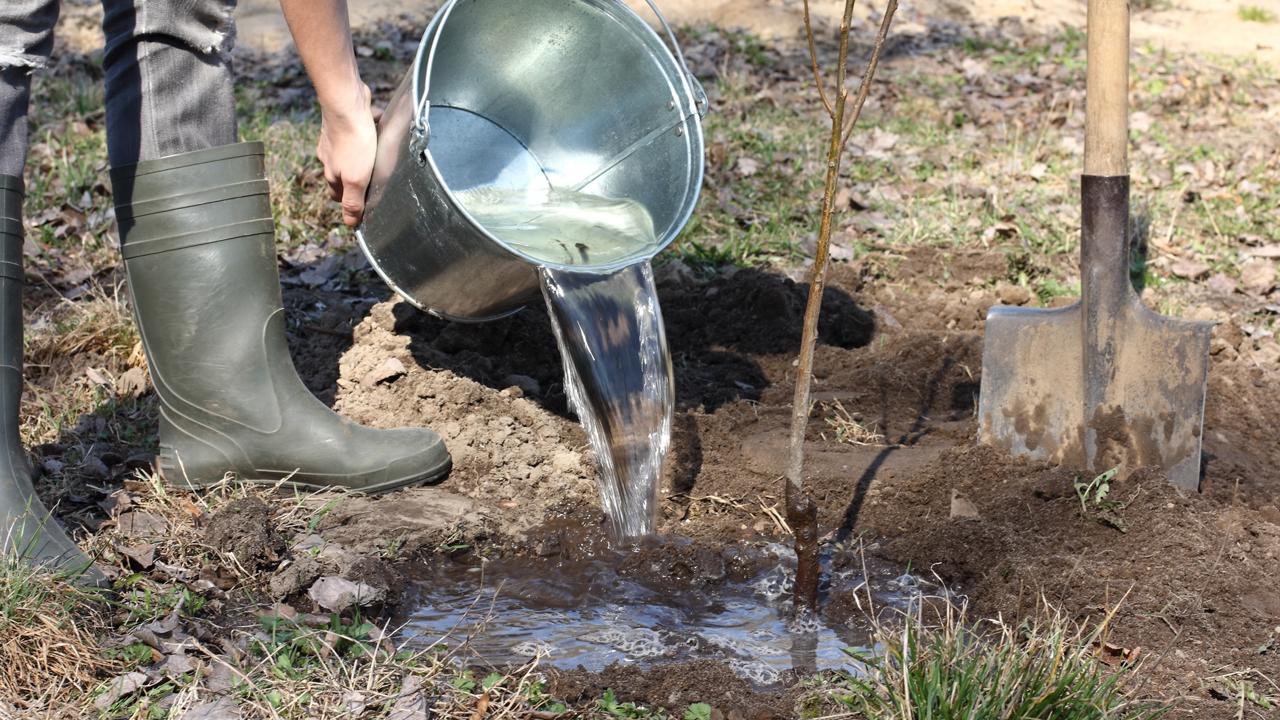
(49, 637)
(185, 514)
(80, 355)
(851, 430)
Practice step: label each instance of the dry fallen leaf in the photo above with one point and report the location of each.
(1265, 251)
(1189, 268)
(119, 687)
(337, 594)
(746, 167)
(1258, 275)
(1115, 655)
(144, 554)
(132, 382)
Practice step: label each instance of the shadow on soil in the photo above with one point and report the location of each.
(714, 329)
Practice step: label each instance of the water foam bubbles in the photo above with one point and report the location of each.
(633, 642)
(773, 586)
(754, 671)
(745, 647)
(905, 581)
(533, 648)
(804, 623)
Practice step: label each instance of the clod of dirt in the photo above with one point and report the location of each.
(312, 557)
(295, 576)
(338, 594)
(244, 528)
(962, 507)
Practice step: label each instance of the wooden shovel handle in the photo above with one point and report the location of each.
(1107, 91)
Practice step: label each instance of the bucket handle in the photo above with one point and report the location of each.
(421, 129)
(695, 87)
(422, 126)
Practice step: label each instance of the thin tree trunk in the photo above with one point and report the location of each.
(802, 512)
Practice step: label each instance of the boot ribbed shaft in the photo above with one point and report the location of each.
(198, 240)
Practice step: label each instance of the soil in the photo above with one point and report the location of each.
(244, 529)
(1193, 574)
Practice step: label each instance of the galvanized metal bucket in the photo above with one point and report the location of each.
(565, 94)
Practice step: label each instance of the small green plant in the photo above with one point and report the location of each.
(1042, 668)
(1095, 492)
(610, 706)
(1050, 289)
(132, 655)
(1096, 501)
(535, 693)
(698, 711)
(143, 601)
(1254, 13)
(320, 514)
(292, 649)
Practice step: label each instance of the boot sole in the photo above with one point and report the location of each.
(429, 477)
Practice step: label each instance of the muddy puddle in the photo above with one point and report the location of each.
(661, 603)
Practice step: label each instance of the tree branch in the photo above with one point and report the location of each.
(869, 75)
(813, 60)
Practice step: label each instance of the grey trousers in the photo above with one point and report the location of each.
(167, 75)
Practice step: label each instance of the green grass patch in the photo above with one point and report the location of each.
(1254, 13)
(957, 670)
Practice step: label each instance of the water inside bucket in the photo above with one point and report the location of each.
(608, 327)
(563, 227)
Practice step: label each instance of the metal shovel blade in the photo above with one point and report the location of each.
(1149, 410)
(1102, 383)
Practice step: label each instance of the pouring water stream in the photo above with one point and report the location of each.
(608, 327)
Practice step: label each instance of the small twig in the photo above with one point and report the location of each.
(778, 521)
(813, 59)
(869, 75)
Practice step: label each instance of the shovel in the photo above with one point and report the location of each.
(1104, 383)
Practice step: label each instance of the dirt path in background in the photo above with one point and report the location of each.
(1199, 26)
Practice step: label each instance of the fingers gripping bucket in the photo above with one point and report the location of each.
(533, 95)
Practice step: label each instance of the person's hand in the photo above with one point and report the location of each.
(348, 143)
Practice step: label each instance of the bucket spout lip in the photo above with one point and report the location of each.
(694, 101)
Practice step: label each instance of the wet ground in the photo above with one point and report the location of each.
(632, 607)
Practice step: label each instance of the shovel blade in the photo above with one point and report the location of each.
(1136, 399)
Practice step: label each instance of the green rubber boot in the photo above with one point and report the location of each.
(199, 246)
(26, 528)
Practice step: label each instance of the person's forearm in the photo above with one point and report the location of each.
(322, 32)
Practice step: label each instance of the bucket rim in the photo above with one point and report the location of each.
(692, 116)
